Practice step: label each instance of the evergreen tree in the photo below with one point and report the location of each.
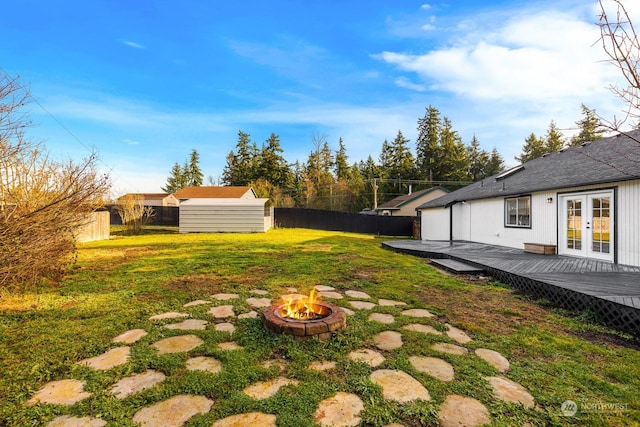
(369, 171)
(242, 168)
(176, 179)
(590, 129)
(193, 173)
(495, 164)
(427, 143)
(319, 181)
(273, 167)
(533, 148)
(341, 165)
(453, 164)
(478, 160)
(553, 139)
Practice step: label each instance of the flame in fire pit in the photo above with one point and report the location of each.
(303, 308)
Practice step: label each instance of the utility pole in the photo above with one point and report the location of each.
(375, 194)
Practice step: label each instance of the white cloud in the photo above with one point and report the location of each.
(133, 44)
(532, 57)
(408, 84)
(425, 6)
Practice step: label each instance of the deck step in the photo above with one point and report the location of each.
(456, 266)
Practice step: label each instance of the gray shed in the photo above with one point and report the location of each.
(230, 215)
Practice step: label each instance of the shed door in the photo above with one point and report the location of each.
(587, 225)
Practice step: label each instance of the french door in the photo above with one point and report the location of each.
(586, 225)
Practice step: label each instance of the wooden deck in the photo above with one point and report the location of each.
(612, 291)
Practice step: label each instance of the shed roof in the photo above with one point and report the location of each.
(205, 201)
(213, 192)
(403, 199)
(603, 161)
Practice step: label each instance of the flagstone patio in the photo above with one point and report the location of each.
(341, 409)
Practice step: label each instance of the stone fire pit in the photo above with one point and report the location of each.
(328, 318)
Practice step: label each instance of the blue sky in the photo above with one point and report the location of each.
(145, 82)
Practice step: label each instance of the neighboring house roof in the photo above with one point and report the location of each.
(213, 192)
(603, 161)
(148, 196)
(402, 200)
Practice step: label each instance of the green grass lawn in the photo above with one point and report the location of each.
(116, 285)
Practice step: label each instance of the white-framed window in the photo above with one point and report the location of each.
(517, 212)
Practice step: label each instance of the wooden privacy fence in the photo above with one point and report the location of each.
(344, 221)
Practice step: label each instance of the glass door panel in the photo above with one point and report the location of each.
(574, 224)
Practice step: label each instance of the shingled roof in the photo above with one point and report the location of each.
(603, 161)
(399, 201)
(213, 192)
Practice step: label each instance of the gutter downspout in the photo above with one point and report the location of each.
(450, 206)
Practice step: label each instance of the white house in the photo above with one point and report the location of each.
(584, 201)
(232, 215)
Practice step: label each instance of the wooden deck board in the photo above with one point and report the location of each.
(613, 282)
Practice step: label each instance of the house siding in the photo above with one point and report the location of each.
(629, 223)
(483, 220)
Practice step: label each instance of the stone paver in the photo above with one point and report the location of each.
(177, 344)
(357, 294)
(382, 318)
(196, 302)
(225, 327)
(112, 358)
(259, 292)
(231, 345)
(348, 311)
(62, 392)
(437, 368)
(330, 295)
(266, 389)
(399, 386)
(248, 315)
(324, 288)
(449, 348)
(256, 419)
(510, 391)
(202, 363)
(281, 364)
(457, 335)
(425, 329)
(257, 303)
(341, 410)
(370, 357)
(390, 303)
(222, 312)
(494, 358)
(189, 324)
(460, 411)
(388, 340)
(170, 315)
(418, 312)
(322, 365)
(136, 383)
(129, 337)
(69, 421)
(362, 305)
(225, 297)
(173, 412)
